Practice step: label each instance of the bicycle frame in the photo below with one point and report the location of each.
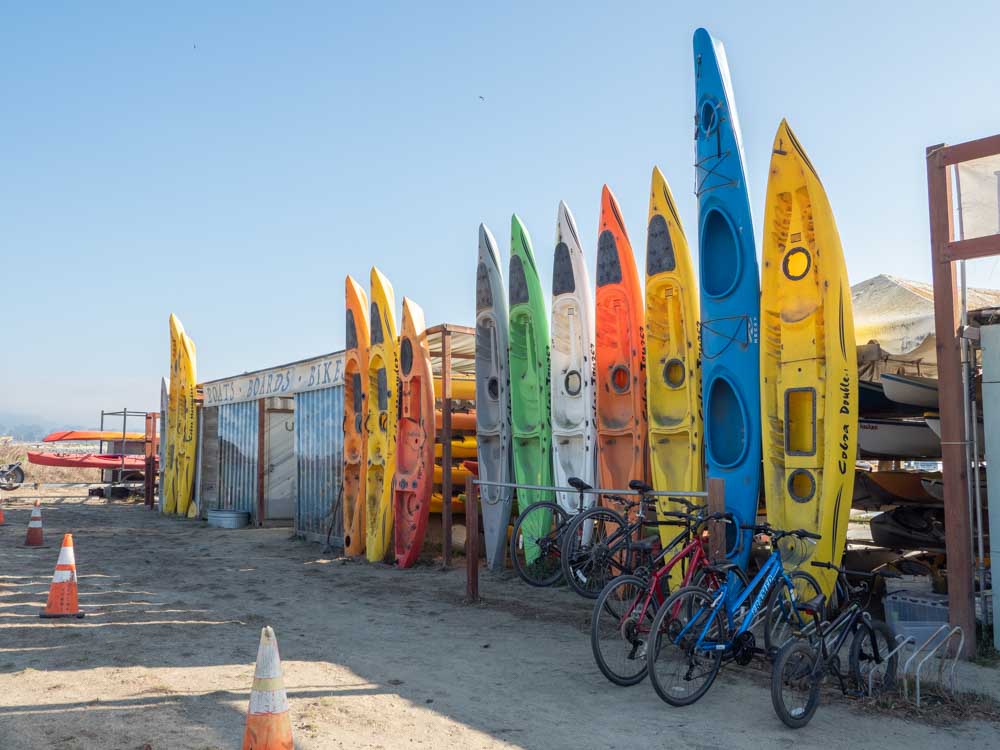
(760, 587)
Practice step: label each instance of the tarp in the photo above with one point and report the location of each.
(894, 324)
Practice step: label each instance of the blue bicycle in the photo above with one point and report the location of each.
(696, 629)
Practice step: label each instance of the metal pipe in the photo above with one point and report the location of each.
(592, 491)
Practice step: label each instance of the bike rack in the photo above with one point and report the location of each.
(929, 651)
(901, 642)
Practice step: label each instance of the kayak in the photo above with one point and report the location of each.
(91, 435)
(572, 366)
(414, 438)
(673, 368)
(730, 291)
(493, 430)
(355, 413)
(88, 460)
(809, 369)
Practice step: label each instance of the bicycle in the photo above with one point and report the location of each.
(802, 665)
(535, 543)
(624, 611)
(695, 628)
(601, 544)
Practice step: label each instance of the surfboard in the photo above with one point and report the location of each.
(493, 431)
(730, 291)
(809, 369)
(574, 418)
(355, 412)
(673, 367)
(381, 422)
(414, 439)
(529, 381)
(622, 452)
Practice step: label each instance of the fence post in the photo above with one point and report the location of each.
(717, 529)
(471, 541)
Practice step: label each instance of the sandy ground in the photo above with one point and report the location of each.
(373, 657)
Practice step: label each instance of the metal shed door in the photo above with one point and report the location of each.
(279, 477)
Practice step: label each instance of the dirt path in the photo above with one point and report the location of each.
(373, 657)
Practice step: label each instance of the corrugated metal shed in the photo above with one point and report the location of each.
(238, 449)
(319, 448)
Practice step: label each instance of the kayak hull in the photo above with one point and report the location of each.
(358, 331)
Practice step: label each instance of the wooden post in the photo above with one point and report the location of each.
(471, 541)
(957, 524)
(717, 529)
(446, 446)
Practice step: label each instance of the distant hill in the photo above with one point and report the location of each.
(28, 427)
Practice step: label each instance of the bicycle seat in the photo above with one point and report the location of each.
(578, 484)
(638, 486)
(645, 545)
(722, 567)
(814, 606)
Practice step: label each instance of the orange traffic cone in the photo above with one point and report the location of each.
(268, 724)
(62, 593)
(34, 537)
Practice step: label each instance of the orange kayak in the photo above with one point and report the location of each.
(620, 355)
(355, 411)
(414, 438)
(67, 435)
(87, 460)
(463, 420)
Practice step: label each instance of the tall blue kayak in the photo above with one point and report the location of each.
(730, 291)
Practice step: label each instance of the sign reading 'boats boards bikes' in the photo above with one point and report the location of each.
(309, 375)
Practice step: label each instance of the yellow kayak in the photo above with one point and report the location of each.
(381, 422)
(673, 369)
(462, 447)
(809, 373)
(177, 493)
(461, 388)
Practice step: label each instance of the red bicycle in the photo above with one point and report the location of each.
(621, 625)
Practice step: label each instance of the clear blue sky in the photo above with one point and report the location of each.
(232, 162)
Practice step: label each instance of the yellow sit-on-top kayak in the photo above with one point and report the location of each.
(673, 368)
(809, 373)
(381, 422)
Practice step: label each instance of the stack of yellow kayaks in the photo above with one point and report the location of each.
(177, 493)
(809, 373)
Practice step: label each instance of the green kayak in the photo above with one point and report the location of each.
(529, 381)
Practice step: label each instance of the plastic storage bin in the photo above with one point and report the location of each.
(916, 615)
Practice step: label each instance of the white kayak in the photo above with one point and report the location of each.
(574, 431)
(912, 390)
(900, 438)
(493, 431)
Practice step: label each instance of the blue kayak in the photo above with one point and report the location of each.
(730, 292)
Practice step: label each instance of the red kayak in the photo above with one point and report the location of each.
(67, 435)
(87, 460)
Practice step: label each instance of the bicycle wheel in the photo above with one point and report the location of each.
(862, 660)
(620, 628)
(783, 619)
(535, 546)
(795, 683)
(681, 673)
(596, 548)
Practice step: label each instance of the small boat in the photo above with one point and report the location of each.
(934, 486)
(909, 528)
(933, 420)
(92, 435)
(912, 390)
(905, 486)
(88, 460)
(872, 402)
(897, 438)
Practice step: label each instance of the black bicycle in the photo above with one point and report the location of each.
(802, 664)
(536, 542)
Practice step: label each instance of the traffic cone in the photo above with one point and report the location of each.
(34, 537)
(268, 723)
(62, 593)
